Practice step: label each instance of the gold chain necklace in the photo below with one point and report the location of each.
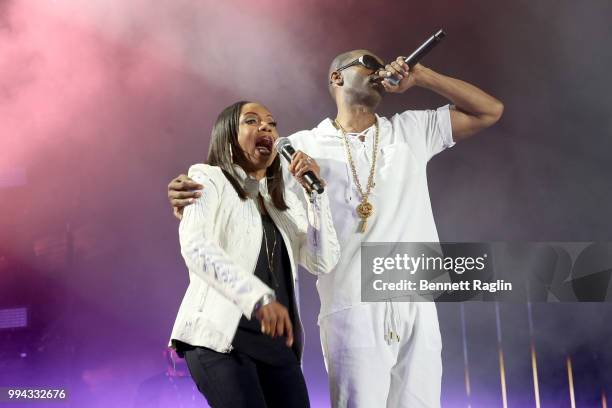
(365, 208)
(270, 257)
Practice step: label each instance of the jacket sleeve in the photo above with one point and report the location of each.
(319, 250)
(205, 257)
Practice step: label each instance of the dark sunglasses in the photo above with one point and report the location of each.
(367, 61)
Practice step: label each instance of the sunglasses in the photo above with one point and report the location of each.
(367, 61)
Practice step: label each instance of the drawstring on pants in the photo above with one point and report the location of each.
(391, 326)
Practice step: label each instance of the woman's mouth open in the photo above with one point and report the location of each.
(264, 144)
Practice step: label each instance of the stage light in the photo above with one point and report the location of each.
(534, 364)
(570, 380)
(500, 352)
(13, 318)
(466, 366)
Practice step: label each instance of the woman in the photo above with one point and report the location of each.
(242, 240)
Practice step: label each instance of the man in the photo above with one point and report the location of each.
(385, 353)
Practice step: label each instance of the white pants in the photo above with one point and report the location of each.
(369, 369)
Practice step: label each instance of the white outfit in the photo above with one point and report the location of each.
(220, 237)
(366, 369)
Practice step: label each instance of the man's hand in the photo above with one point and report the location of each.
(275, 321)
(300, 164)
(182, 192)
(474, 109)
(400, 70)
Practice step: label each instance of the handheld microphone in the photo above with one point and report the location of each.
(420, 52)
(284, 148)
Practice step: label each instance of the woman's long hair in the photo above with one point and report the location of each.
(225, 151)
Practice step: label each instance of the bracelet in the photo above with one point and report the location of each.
(265, 300)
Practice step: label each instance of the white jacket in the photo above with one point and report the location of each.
(220, 237)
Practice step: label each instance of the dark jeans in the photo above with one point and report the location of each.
(235, 380)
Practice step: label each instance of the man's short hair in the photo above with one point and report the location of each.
(337, 62)
(340, 60)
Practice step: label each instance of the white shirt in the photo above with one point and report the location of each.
(402, 209)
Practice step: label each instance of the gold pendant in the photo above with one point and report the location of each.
(362, 225)
(364, 211)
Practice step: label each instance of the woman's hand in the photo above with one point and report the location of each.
(275, 321)
(300, 164)
(181, 193)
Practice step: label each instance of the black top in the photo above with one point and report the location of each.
(248, 338)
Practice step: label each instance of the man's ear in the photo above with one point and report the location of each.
(336, 79)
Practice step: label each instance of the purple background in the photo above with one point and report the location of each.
(103, 102)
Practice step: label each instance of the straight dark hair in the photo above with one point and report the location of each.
(225, 151)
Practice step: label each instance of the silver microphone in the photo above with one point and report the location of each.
(284, 148)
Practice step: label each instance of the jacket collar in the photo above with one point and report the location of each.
(250, 184)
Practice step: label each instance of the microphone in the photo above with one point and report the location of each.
(420, 52)
(284, 148)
